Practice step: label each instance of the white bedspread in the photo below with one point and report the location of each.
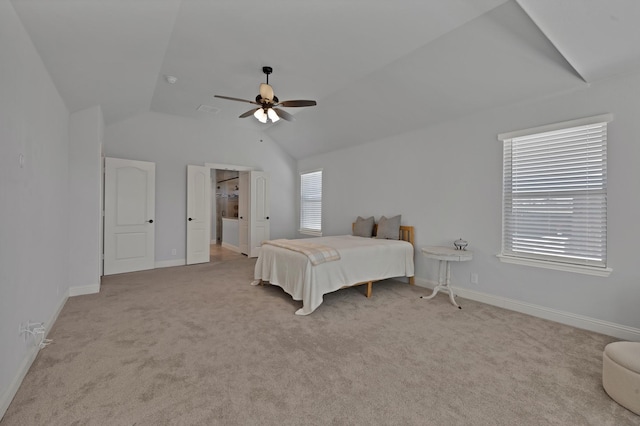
(317, 253)
(361, 260)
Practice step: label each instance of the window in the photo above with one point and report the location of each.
(555, 196)
(311, 203)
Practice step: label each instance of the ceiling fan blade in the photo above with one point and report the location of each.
(284, 114)
(248, 113)
(235, 99)
(266, 91)
(297, 103)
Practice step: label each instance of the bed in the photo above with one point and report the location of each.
(362, 261)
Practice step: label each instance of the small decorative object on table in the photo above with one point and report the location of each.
(460, 244)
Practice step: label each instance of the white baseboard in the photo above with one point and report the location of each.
(11, 391)
(231, 247)
(579, 321)
(170, 263)
(85, 289)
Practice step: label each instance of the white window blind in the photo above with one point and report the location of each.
(555, 196)
(311, 203)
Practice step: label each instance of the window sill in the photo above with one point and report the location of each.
(310, 232)
(587, 270)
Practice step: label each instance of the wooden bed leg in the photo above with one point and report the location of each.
(369, 287)
(412, 280)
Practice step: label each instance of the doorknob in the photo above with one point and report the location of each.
(267, 218)
(150, 221)
(190, 219)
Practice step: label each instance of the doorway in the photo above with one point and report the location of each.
(225, 213)
(229, 215)
(252, 219)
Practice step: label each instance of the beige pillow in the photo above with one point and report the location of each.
(389, 229)
(363, 227)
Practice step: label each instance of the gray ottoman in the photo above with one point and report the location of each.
(621, 373)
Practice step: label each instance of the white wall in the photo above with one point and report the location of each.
(34, 235)
(174, 142)
(86, 130)
(446, 181)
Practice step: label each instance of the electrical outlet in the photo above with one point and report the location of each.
(174, 252)
(474, 278)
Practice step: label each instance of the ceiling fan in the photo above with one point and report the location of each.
(267, 103)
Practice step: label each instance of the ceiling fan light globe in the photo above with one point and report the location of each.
(260, 115)
(273, 115)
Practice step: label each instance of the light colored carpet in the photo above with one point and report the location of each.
(198, 345)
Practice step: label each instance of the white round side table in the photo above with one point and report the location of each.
(445, 255)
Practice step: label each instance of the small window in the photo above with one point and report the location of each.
(311, 203)
(555, 196)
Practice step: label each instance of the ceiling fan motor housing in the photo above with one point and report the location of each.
(260, 100)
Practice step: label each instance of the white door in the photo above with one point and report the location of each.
(259, 229)
(243, 213)
(198, 214)
(129, 212)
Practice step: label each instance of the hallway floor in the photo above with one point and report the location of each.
(218, 253)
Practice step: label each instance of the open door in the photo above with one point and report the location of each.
(259, 228)
(198, 214)
(129, 213)
(243, 213)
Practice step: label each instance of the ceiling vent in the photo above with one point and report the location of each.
(209, 108)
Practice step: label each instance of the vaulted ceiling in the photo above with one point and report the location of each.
(376, 67)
